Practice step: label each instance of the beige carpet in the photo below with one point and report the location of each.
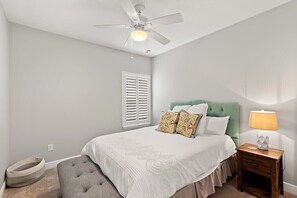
(48, 187)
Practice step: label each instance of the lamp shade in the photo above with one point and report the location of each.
(138, 35)
(264, 120)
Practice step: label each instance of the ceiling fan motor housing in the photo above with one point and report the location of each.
(139, 8)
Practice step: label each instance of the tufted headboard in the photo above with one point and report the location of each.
(220, 109)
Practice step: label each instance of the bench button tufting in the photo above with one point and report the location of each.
(78, 175)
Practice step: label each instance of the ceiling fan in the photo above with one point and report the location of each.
(140, 26)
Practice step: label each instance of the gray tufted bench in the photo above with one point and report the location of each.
(81, 178)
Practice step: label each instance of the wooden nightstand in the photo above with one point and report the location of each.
(260, 172)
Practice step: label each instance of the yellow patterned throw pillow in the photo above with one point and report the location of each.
(168, 122)
(188, 123)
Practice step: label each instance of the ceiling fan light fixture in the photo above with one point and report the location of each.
(138, 35)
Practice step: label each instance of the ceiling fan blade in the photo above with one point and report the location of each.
(167, 20)
(113, 26)
(130, 10)
(158, 37)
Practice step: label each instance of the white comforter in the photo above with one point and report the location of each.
(144, 163)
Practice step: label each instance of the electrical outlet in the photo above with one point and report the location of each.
(50, 147)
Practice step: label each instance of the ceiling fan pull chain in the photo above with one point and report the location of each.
(132, 51)
(147, 46)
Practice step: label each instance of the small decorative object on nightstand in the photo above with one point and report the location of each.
(260, 172)
(263, 120)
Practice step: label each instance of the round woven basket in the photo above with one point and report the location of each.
(25, 172)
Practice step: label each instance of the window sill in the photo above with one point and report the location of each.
(135, 126)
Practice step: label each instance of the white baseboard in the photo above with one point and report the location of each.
(290, 188)
(53, 164)
(2, 189)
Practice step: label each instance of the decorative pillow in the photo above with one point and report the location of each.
(168, 122)
(179, 108)
(216, 125)
(187, 124)
(199, 109)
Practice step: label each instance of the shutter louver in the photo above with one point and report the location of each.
(143, 98)
(131, 100)
(136, 99)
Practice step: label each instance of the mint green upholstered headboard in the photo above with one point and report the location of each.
(220, 109)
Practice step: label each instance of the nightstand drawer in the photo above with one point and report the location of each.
(256, 164)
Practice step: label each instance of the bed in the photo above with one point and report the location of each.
(148, 164)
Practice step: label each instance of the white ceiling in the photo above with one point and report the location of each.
(75, 18)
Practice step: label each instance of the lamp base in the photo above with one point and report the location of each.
(263, 142)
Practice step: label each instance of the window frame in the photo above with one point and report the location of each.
(137, 122)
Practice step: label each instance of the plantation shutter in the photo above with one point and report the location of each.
(136, 97)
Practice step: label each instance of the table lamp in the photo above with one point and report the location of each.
(263, 120)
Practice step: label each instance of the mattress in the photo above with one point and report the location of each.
(150, 164)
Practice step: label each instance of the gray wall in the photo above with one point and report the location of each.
(4, 94)
(63, 91)
(253, 63)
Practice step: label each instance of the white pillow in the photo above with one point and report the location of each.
(199, 109)
(216, 125)
(181, 107)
